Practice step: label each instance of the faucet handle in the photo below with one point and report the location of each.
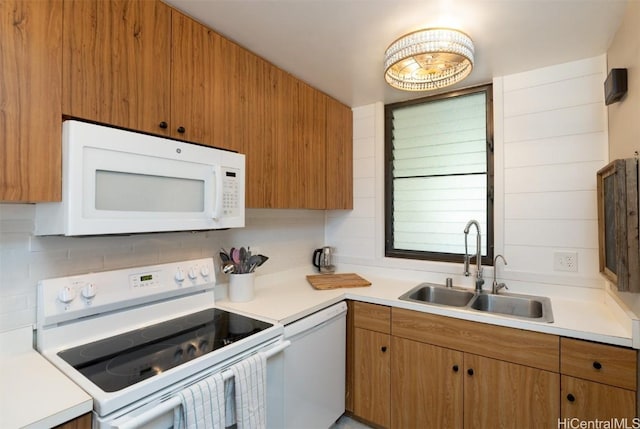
(497, 286)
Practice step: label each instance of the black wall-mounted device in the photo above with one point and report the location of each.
(615, 87)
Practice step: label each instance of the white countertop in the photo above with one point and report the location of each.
(286, 297)
(33, 393)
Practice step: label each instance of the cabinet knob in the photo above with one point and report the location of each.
(455, 368)
(597, 365)
(470, 371)
(181, 130)
(163, 125)
(570, 397)
(384, 349)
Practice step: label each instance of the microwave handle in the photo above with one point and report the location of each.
(216, 212)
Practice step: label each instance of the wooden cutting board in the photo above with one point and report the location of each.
(335, 281)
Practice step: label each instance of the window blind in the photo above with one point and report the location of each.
(439, 151)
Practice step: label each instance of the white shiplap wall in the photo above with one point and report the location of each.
(287, 237)
(554, 132)
(550, 139)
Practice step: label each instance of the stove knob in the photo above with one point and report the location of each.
(192, 273)
(177, 355)
(89, 291)
(66, 295)
(179, 276)
(191, 351)
(204, 271)
(204, 346)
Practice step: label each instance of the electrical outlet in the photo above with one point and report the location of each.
(565, 261)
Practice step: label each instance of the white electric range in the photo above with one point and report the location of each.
(133, 338)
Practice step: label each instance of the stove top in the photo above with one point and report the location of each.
(123, 360)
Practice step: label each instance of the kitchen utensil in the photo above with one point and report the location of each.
(228, 268)
(322, 259)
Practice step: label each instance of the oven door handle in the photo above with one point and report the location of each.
(175, 401)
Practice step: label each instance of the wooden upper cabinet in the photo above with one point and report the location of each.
(116, 63)
(339, 156)
(30, 115)
(192, 83)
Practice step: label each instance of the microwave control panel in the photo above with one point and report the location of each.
(230, 192)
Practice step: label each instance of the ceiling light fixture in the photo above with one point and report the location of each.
(428, 59)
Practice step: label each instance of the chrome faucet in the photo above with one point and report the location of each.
(495, 288)
(479, 279)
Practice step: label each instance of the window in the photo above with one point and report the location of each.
(439, 175)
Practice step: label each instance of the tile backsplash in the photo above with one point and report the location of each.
(287, 237)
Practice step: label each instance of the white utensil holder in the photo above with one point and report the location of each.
(241, 287)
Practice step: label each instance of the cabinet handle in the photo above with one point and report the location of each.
(384, 349)
(470, 371)
(455, 368)
(163, 125)
(570, 397)
(181, 130)
(597, 365)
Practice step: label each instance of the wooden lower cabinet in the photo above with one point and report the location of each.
(426, 385)
(371, 396)
(82, 422)
(588, 400)
(500, 394)
(440, 372)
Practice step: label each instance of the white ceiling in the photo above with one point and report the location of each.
(337, 46)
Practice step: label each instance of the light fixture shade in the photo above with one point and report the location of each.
(428, 59)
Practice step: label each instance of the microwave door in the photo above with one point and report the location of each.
(127, 192)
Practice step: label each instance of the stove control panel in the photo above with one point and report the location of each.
(68, 298)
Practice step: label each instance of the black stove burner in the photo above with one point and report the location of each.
(120, 361)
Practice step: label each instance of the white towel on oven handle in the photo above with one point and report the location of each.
(250, 379)
(203, 405)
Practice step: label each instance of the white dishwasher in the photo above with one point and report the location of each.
(314, 369)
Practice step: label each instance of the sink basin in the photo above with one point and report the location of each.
(434, 294)
(520, 306)
(526, 307)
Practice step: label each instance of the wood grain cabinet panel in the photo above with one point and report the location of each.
(602, 363)
(588, 401)
(372, 316)
(339, 156)
(30, 100)
(116, 63)
(193, 81)
(513, 345)
(82, 422)
(426, 386)
(372, 378)
(500, 394)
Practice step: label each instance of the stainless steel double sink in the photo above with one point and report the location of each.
(526, 307)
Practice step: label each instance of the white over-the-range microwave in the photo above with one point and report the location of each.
(117, 182)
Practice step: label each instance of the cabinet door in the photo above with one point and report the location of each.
(339, 153)
(588, 400)
(371, 376)
(30, 116)
(499, 394)
(426, 386)
(192, 80)
(116, 63)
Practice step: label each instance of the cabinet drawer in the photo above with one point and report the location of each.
(509, 344)
(372, 316)
(616, 366)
